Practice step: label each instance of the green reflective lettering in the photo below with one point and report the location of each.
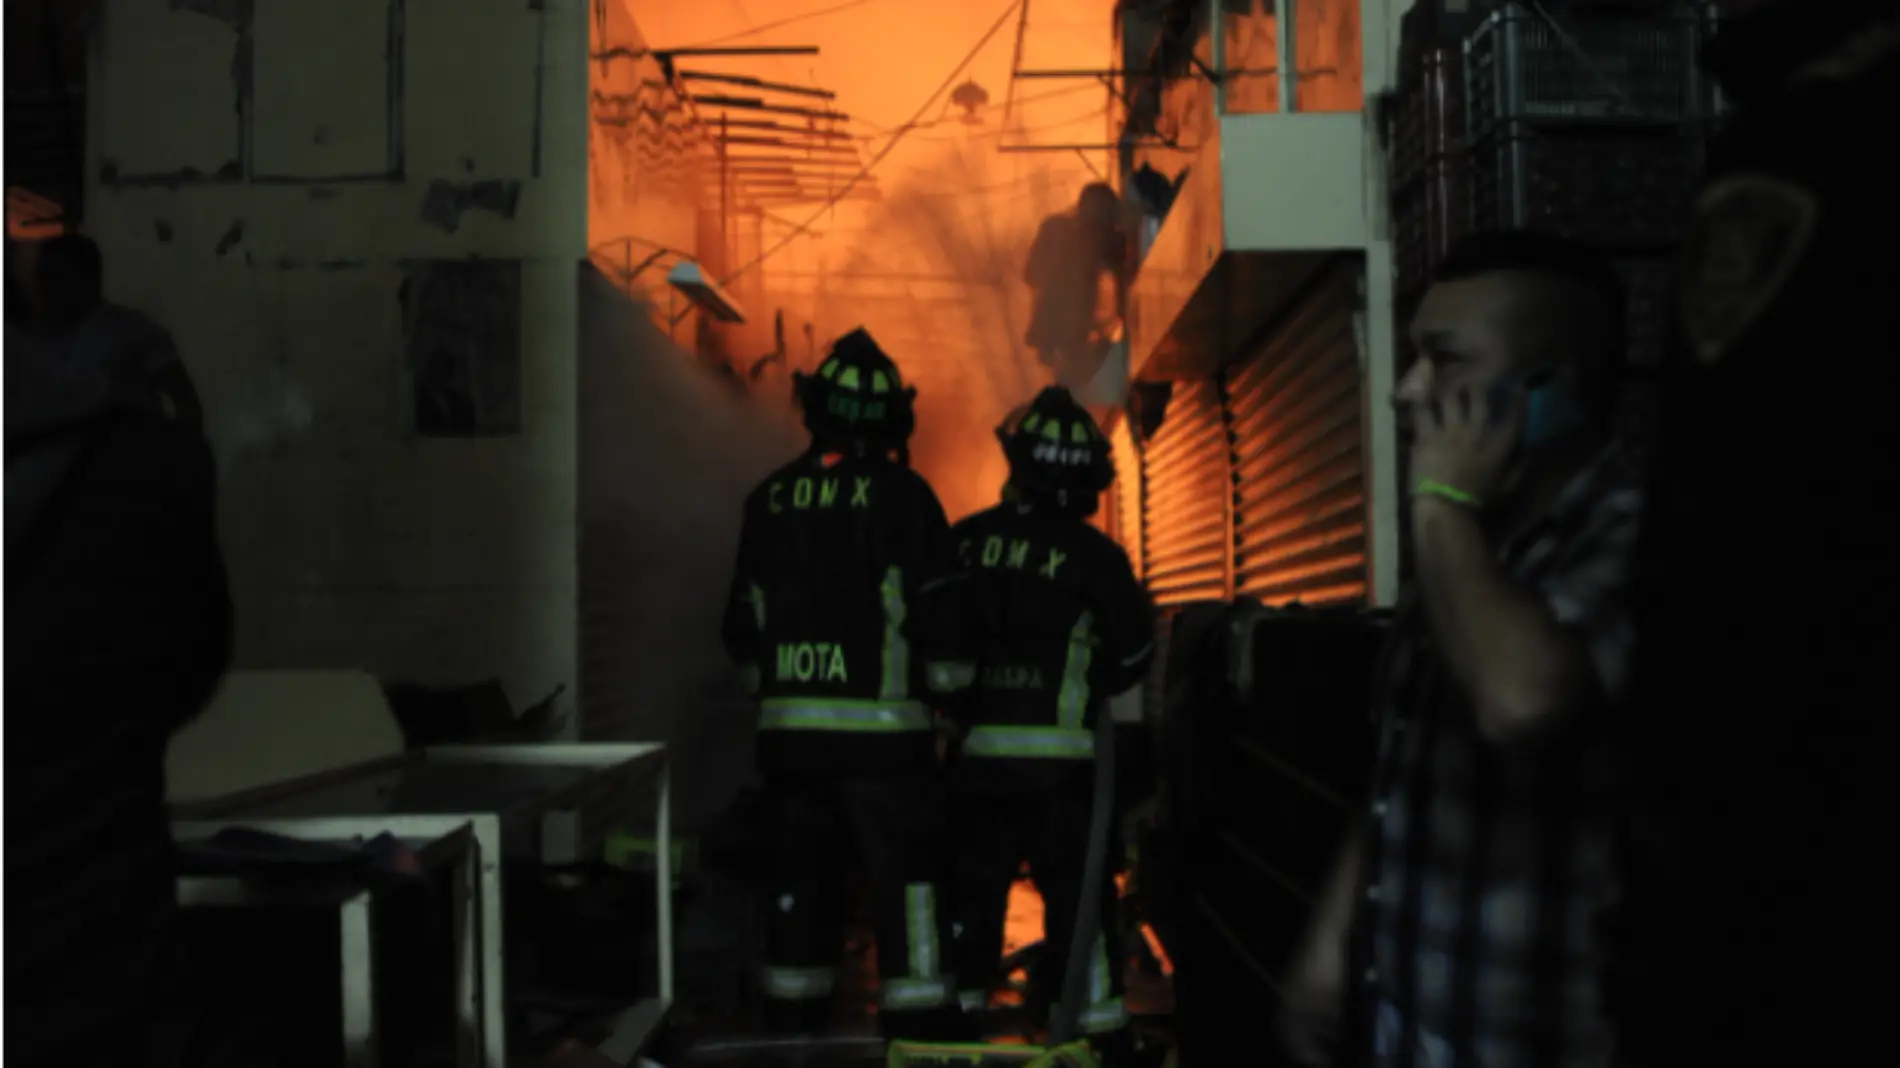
(805, 661)
(1019, 553)
(1012, 677)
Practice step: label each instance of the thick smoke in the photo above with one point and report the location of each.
(668, 452)
(669, 449)
(965, 220)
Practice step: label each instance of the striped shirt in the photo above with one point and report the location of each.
(1489, 872)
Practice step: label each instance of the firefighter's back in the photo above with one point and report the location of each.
(1038, 577)
(1056, 621)
(832, 546)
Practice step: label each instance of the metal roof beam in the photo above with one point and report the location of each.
(1077, 73)
(762, 50)
(753, 103)
(779, 127)
(779, 142)
(757, 83)
(819, 172)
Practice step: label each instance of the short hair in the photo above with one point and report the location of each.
(71, 275)
(1581, 280)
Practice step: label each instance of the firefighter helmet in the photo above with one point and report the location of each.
(1056, 452)
(856, 395)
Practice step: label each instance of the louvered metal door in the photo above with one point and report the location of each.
(1126, 492)
(1184, 506)
(1300, 528)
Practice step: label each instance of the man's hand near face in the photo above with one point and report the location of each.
(1462, 444)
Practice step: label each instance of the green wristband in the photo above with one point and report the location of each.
(1430, 488)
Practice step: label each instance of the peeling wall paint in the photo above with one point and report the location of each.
(444, 203)
(269, 222)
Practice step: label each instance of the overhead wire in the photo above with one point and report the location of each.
(789, 20)
(779, 62)
(880, 131)
(896, 138)
(1045, 127)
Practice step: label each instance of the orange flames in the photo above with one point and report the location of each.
(934, 268)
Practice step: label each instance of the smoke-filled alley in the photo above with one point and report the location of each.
(667, 533)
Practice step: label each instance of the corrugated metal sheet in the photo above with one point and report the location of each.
(1186, 483)
(1126, 493)
(1299, 528)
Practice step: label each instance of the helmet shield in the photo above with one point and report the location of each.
(857, 396)
(1056, 452)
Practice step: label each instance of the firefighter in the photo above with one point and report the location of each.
(833, 547)
(1052, 622)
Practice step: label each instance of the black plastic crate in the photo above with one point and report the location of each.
(1593, 67)
(1638, 410)
(1648, 292)
(1614, 187)
(1426, 27)
(1429, 115)
(1428, 214)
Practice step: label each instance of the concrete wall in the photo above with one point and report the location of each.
(257, 184)
(1294, 182)
(1379, 37)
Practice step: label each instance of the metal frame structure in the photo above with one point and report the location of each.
(1114, 80)
(544, 820)
(808, 152)
(439, 842)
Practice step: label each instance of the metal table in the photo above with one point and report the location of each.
(437, 842)
(514, 797)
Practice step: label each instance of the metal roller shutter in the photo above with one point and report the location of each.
(1184, 508)
(1297, 408)
(1126, 492)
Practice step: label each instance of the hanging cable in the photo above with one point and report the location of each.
(788, 20)
(984, 132)
(897, 137)
(879, 131)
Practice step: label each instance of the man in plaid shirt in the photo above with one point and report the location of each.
(1488, 859)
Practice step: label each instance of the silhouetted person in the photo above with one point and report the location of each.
(1072, 254)
(120, 626)
(136, 353)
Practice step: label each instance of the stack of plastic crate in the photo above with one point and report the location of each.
(1431, 195)
(1588, 121)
